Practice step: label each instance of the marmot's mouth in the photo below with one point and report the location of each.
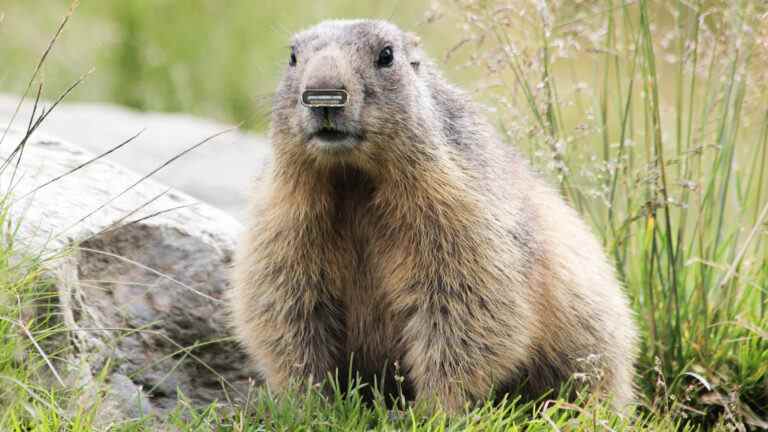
(332, 135)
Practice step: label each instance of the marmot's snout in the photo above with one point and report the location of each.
(329, 103)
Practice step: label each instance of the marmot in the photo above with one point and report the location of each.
(397, 228)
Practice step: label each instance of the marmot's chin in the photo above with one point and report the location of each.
(335, 144)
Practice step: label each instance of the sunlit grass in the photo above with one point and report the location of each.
(662, 146)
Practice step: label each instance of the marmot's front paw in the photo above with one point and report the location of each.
(449, 401)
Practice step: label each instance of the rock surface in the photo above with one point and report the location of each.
(217, 173)
(143, 284)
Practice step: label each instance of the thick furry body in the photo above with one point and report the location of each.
(430, 244)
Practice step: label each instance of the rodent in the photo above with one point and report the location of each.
(400, 230)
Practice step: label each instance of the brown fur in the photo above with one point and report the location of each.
(428, 243)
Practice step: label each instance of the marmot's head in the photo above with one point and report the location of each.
(375, 67)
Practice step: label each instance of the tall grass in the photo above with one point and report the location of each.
(661, 143)
(32, 393)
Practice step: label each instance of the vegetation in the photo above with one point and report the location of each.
(211, 58)
(652, 118)
(662, 144)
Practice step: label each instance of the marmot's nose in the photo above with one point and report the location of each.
(325, 72)
(325, 97)
(326, 103)
(324, 82)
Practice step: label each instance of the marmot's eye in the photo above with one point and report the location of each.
(292, 61)
(385, 58)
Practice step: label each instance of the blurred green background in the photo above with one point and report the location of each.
(222, 59)
(209, 57)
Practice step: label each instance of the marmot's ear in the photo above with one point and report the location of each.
(413, 45)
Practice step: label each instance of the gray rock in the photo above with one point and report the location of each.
(217, 173)
(142, 281)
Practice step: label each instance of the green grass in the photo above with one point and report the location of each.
(652, 117)
(663, 149)
(30, 390)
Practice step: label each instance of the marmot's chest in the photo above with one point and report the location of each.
(374, 341)
(372, 331)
